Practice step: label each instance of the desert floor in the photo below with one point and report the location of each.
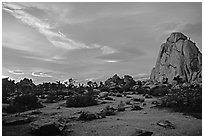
(122, 124)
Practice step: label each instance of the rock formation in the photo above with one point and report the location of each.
(179, 56)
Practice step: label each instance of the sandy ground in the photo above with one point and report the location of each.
(122, 124)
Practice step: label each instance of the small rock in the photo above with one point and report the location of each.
(119, 95)
(109, 98)
(36, 112)
(136, 107)
(128, 96)
(89, 116)
(166, 124)
(103, 94)
(128, 102)
(140, 132)
(155, 102)
(121, 106)
(144, 104)
(138, 99)
(108, 111)
(58, 107)
(148, 96)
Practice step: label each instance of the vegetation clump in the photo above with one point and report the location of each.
(23, 103)
(187, 100)
(81, 100)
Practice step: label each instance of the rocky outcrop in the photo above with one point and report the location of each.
(48, 127)
(179, 56)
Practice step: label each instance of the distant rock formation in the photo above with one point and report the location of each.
(178, 57)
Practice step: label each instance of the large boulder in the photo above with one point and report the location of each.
(179, 56)
(115, 80)
(48, 127)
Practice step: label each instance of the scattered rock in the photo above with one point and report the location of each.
(35, 112)
(136, 107)
(140, 132)
(138, 99)
(87, 116)
(109, 98)
(128, 102)
(119, 95)
(166, 124)
(48, 127)
(121, 106)
(148, 96)
(108, 111)
(155, 102)
(103, 94)
(128, 96)
(78, 112)
(129, 93)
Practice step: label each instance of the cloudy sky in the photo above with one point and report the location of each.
(57, 41)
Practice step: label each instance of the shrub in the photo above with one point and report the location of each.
(24, 103)
(81, 100)
(52, 97)
(142, 90)
(159, 91)
(188, 100)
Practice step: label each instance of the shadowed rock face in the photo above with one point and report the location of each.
(179, 56)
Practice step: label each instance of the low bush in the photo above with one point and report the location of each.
(142, 90)
(159, 91)
(23, 103)
(81, 100)
(52, 97)
(188, 100)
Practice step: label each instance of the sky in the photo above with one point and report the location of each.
(90, 41)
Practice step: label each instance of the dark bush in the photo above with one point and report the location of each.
(52, 97)
(188, 100)
(104, 89)
(24, 103)
(81, 100)
(159, 91)
(142, 90)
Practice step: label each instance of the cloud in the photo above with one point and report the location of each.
(111, 61)
(3, 76)
(57, 38)
(108, 50)
(16, 72)
(141, 76)
(40, 74)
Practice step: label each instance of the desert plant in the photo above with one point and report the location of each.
(81, 100)
(23, 103)
(159, 91)
(188, 100)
